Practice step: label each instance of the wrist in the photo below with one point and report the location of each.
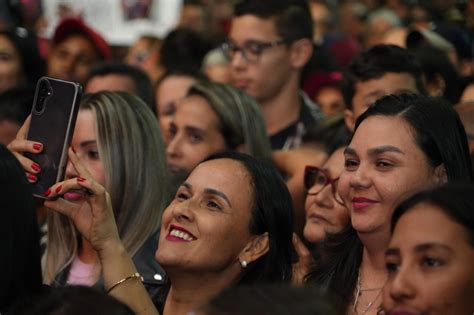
(111, 249)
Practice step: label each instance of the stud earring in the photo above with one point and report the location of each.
(243, 263)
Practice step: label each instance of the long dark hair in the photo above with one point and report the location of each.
(439, 133)
(20, 265)
(272, 213)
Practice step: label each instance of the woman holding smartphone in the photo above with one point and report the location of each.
(120, 144)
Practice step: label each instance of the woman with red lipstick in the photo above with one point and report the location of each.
(229, 223)
(402, 144)
(118, 140)
(431, 253)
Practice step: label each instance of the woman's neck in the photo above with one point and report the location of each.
(372, 269)
(190, 291)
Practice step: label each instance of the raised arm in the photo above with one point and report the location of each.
(96, 222)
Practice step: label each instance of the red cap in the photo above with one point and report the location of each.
(72, 26)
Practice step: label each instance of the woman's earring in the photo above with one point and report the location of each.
(243, 263)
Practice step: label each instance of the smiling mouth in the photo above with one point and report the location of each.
(360, 203)
(179, 234)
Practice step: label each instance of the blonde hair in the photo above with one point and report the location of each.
(131, 149)
(241, 121)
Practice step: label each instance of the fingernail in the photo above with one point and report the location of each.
(48, 192)
(59, 188)
(73, 150)
(36, 167)
(32, 178)
(81, 179)
(37, 146)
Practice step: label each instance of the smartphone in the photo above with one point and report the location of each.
(53, 118)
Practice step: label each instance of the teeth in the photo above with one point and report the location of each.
(183, 235)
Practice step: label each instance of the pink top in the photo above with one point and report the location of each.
(82, 274)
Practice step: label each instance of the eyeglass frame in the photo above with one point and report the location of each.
(261, 47)
(329, 181)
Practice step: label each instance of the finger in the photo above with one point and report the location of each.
(22, 133)
(62, 206)
(23, 145)
(302, 251)
(28, 165)
(78, 165)
(31, 177)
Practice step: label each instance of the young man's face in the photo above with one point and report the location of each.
(267, 73)
(367, 92)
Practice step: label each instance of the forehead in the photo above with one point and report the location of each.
(427, 223)
(250, 27)
(196, 111)
(77, 42)
(85, 126)
(378, 131)
(389, 83)
(335, 163)
(225, 175)
(6, 44)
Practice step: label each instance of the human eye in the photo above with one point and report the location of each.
(392, 266)
(172, 130)
(320, 179)
(213, 205)
(195, 137)
(351, 164)
(93, 154)
(431, 262)
(384, 164)
(181, 195)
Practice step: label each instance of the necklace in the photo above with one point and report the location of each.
(358, 293)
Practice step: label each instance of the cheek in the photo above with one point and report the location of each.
(341, 217)
(96, 168)
(343, 186)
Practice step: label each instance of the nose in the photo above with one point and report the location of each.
(183, 211)
(324, 198)
(238, 61)
(173, 150)
(359, 179)
(401, 286)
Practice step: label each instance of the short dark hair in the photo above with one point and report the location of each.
(143, 87)
(438, 130)
(272, 213)
(293, 19)
(20, 265)
(184, 49)
(456, 200)
(375, 63)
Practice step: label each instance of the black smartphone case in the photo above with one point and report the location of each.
(53, 118)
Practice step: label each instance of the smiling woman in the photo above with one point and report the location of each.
(402, 144)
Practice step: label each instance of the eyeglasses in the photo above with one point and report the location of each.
(315, 180)
(251, 51)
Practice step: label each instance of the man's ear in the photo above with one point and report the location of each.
(301, 52)
(255, 248)
(441, 177)
(349, 119)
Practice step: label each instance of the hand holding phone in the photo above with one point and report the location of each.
(53, 118)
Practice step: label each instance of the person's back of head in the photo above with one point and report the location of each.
(112, 75)
(15, 105)
(270, 300)
(20, 267)
(75, 300)
(183, 49)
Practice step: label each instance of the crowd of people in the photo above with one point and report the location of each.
(264, 157)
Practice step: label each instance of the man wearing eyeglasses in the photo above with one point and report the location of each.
(269, 44)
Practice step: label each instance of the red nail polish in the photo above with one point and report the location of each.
(59, 188)
(36, 167)
(37, 146)
(32, 178)
(81, 179)
(48, 192)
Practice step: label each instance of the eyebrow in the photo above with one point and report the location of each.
(219, 194)
(88, 142)
(195, 130)
(210, 191)
(383, 149)
(419, 249)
